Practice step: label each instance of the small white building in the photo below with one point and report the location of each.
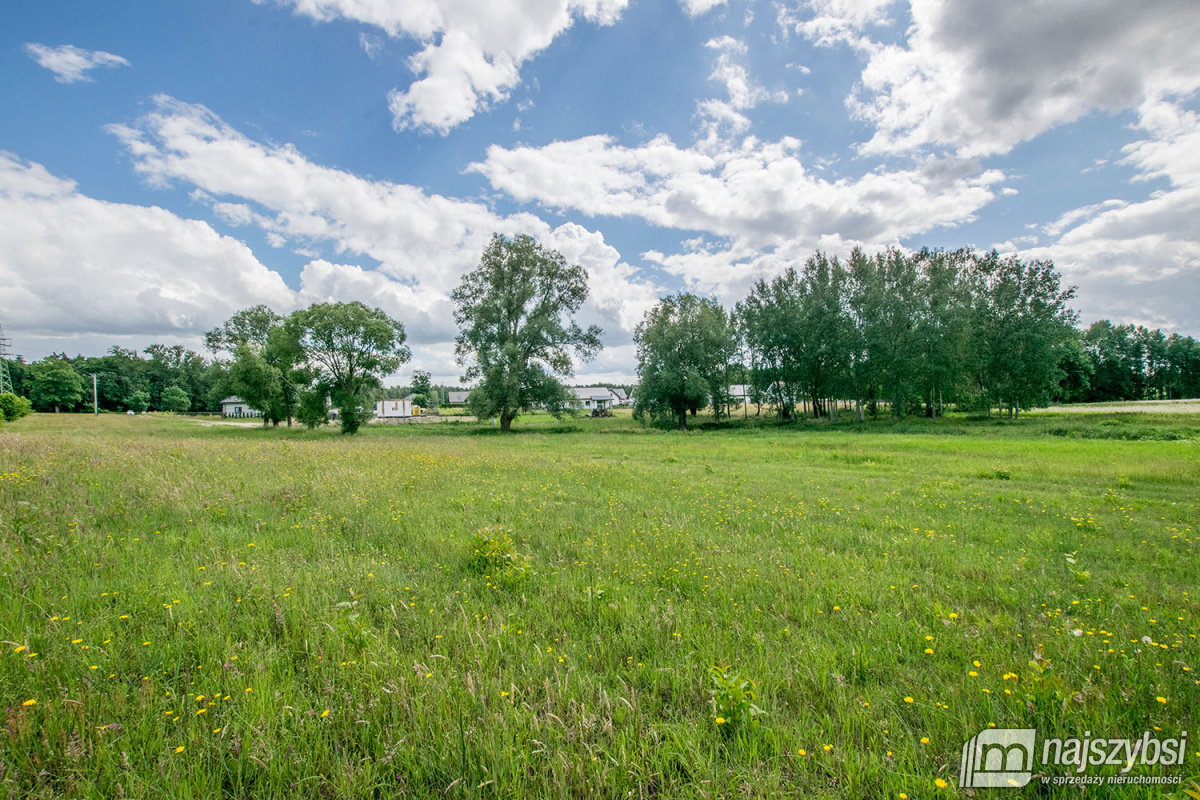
(620, 397)
(591, 398)
(457, 398)
(740, 393)
(234, 406)
(394, 409)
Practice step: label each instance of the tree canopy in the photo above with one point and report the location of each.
(349, 348)
(684, 348)
(517, 334)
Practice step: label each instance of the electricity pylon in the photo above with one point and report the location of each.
(5, 379)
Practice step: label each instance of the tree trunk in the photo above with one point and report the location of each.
(682, 421)
(505, 422)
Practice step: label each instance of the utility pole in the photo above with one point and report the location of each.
(5, 378)
(95, 398)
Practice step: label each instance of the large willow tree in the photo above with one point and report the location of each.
(517, 334)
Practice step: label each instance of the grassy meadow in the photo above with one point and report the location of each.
(205, 611)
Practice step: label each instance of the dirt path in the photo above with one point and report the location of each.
(1151, 406)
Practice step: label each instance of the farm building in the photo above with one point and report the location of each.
(234, 406)
(394, 409)
(457, 398)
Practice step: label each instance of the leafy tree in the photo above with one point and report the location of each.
(250, 326)
(684, 345)
(256, 381)
(313, 407)
(264, 371)
(943, 305)
(821, 335)
(139, 401)
(55, 384)
(1077, 367)
(175, 399)
(769, 323)
(516, 331)
(1023, 321)
(426, 396)
(13, 407)
(172, 365)
(348, 349)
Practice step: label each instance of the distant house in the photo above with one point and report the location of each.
(591, 398)
(394, 409)
(457, 398)
(740, 393)
(234, 406)
(620, 397)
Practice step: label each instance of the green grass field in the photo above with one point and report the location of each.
(192, 611)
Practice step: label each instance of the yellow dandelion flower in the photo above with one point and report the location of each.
(924, 740)
(802, 752)
(179, 749)
(720, 720)
(928, 651)
(828, 747)
(941, 784)
(325, 713)
(29, 703)
(1161, 699)
(908, 699)
(19, 649)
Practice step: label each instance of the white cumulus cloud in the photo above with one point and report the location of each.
(423, 243)
(71, 64)
(978, 76)
(71, 264)
(1140, 261)
(471, 53)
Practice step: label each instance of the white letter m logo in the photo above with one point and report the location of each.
(998, 757)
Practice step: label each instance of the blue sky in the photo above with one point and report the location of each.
(165, 164)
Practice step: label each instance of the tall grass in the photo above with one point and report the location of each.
(304, 615)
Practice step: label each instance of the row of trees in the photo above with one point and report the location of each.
(912, 331)
(295, 366)
(1127, 362)
(288, 367)
(164, 377)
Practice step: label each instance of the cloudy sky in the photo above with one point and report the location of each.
(163, 164)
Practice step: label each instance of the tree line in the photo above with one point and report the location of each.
(909, 333)
(893, 332)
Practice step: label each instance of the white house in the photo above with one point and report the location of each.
(620, 397)
(739, 393)
(591, 398)
(234, 406)
(394, 409)
(457, 398)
